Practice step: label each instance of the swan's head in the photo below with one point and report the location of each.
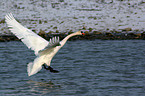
(80, 33)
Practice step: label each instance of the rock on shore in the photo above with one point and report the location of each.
(126, 34)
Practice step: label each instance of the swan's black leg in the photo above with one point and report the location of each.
(50, 68)
(45, 67)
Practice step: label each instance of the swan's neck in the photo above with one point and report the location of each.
(66, 38)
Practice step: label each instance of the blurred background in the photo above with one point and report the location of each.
(72, 15)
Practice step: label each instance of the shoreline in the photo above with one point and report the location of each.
(92, 35)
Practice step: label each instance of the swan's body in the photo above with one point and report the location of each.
(43, 49)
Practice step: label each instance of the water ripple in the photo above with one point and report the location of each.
(86, 68)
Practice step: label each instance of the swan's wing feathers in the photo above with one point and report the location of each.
(28, 37)
(54, 42)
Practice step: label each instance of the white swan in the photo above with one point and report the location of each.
(43, 49)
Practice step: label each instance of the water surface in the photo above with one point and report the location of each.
(87, 68)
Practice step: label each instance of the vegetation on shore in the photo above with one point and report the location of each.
(124, 34)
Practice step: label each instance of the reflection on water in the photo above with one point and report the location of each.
(42, 87)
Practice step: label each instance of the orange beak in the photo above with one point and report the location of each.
(83, 33)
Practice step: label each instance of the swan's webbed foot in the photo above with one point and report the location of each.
(50, 68)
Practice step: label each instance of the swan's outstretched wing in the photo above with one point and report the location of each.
(53, 43)
(32, 40)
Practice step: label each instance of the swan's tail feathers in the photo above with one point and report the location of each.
(33, 68)
(29, 68)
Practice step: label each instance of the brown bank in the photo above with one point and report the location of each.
(125, 34)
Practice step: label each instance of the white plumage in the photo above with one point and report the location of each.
(43, 49)
(28, 37)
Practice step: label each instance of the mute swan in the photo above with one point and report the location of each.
(43, 49)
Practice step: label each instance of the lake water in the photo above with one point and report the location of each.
(87, 68)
